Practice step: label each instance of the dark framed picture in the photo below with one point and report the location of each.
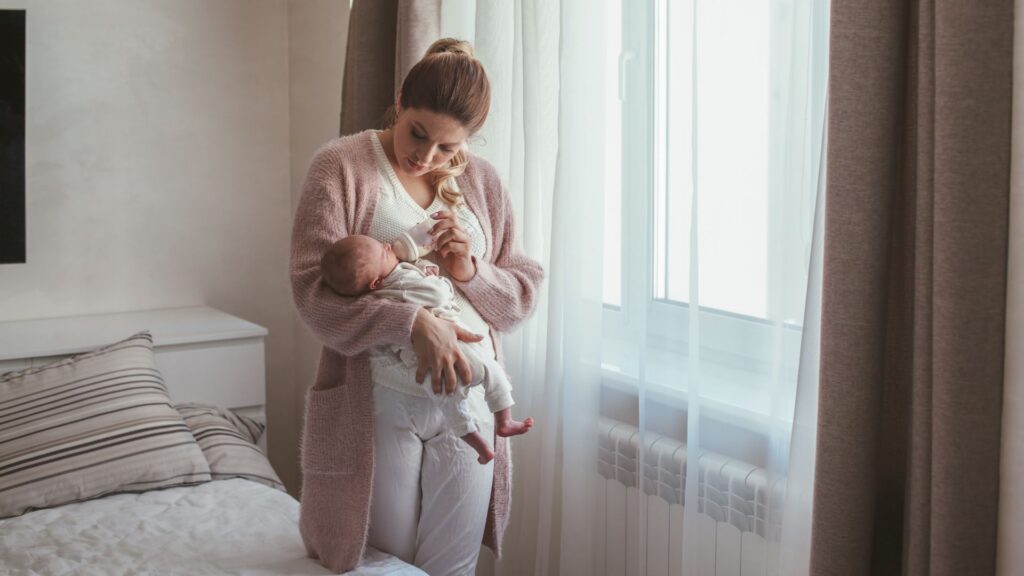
(12, 136)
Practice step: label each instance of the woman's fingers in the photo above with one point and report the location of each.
(451, 235)
(444, 224)
(443, 215)
(450, 381)
(449, 239)
(438, 353)
(466, 335)
(435, 348)
(435, 379)
(447, 225)
(453, 248)
(464, 369)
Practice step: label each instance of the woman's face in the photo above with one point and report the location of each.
(425, 140)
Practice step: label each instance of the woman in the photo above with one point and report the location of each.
(378, 464)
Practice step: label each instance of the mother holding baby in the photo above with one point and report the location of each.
(379, 466)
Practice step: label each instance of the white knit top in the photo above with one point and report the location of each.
(397, 212)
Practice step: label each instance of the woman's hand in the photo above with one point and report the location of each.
(452, 244)
(437, 351)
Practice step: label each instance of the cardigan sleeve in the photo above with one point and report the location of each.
(504, 290)
(347, 325)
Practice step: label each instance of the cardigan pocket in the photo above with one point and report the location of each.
(329, 445)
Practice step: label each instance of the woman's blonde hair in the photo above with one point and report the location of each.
(448, 80)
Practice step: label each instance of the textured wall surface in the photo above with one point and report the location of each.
(159, 158)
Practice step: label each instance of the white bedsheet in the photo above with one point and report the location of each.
(221, 527)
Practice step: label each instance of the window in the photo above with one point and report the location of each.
(703, 100)
(613, 157)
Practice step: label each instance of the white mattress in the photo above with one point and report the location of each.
(221, 527)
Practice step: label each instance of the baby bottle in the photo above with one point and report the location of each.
(415, 242)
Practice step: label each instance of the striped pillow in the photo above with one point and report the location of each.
(229, 442)
(90, 425)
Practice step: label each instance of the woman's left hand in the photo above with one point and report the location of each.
(452, 244)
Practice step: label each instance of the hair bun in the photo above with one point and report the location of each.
(450, 46)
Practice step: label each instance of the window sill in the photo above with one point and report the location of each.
(729, 392)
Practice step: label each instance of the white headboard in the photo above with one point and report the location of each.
(205, 355)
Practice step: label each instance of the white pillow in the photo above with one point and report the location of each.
(89, 425)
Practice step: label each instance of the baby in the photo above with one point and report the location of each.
(360, 265)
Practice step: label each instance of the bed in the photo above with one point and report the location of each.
(87, 500)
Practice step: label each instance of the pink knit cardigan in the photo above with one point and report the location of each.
(339, 198)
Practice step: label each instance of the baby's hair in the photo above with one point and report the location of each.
(344, 263)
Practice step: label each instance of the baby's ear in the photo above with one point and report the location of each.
(375, 283)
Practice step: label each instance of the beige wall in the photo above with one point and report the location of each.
(160, 158)
(318, 29)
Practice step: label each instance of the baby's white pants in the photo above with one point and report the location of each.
(416, 453)
(487, 374)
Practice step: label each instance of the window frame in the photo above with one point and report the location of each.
(728, 341)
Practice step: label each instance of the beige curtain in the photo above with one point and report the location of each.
(914, 294)
(385, 39)
(1011, 490)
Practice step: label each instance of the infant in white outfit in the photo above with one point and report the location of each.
(361, 266)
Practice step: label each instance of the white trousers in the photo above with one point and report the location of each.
(487, 372)
(430, 494)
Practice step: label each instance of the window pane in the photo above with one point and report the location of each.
(679, 142)
(612, 292)
(732, 99)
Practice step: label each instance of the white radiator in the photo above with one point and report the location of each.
(732, 503)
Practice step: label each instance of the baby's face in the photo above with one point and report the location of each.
(380, 261)
(357, 264)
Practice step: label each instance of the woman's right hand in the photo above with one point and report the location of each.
(436, 343)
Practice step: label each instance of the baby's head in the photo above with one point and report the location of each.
(357, 264)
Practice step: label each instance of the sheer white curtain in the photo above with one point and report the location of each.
(519, 45)
(738, 107)
(662, 159)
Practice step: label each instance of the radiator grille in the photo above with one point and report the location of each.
(733, 500)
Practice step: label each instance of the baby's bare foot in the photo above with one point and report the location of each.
(485, 456)
(514, 427)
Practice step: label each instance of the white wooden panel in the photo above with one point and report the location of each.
(634, 517)
(728, 551)
(753, 554)
(615, 529)
(658, 534)
(68, 335)
(707, 531)
(675, 539)
(229, 373)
